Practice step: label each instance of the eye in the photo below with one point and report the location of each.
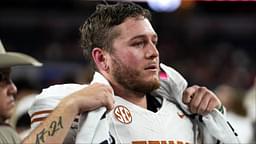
(4, 78)
(139, 44)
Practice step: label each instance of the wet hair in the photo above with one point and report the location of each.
(97, 30)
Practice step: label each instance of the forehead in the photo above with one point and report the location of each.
(135, 26)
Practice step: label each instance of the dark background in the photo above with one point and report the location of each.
(209, 42)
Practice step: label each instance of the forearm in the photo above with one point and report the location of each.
(54, 128)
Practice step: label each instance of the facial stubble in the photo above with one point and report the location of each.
(131, 78)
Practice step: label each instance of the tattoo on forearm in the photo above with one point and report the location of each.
(54, 127)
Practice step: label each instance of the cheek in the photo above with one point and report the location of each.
(132, 58)
(3, 93)
(3, 102)
(4, 108)
(4, 98)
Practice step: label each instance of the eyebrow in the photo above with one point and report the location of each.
(143, 36)
(5, 70)
(3, 76)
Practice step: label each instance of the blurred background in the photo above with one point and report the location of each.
(211, 42)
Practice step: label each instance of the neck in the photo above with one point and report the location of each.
(136, 98)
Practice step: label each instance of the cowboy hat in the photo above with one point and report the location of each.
(8, 59)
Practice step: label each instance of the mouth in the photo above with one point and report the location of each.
(12, 102)
(152, 67)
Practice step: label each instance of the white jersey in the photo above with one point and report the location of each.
(48, 99)
(130, 123)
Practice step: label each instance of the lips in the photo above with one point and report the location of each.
(12, 102)
(151, 67)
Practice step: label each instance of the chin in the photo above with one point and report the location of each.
(154, 79)
(9, 113)
(154, 83)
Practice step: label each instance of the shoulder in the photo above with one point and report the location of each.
(48, 99)
(53, 94)
(8, 135)
(59, 91)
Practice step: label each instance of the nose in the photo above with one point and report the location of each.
(152, 51)
(12, 89)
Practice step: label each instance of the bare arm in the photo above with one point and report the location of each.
(55, 128)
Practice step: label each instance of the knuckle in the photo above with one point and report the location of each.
(185, 93)
(208, 93)
(109, 89)
(213, 100)
(96, 84)
(201, 110)
(203, 89)
(196, 86)
(194, 105)
(105, 89)
(208, 109)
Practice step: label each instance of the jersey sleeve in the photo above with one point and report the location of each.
(47, 101)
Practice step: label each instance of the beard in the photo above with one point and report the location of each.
(131, 78)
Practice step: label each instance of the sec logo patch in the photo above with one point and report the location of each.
(123, 114)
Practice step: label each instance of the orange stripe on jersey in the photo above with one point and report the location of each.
(42, 118)
(38, 119)
(154, 142)
(41, 112)
(139, 142)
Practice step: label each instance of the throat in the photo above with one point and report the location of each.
(146, 101)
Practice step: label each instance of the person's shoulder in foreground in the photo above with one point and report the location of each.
(8, 91)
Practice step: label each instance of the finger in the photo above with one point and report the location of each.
(110, 104)
(202, 108)
(194, 104)
(109, 98)
(212, 104)
(188, 94)
(106, 88)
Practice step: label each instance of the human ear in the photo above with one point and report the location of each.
(100, 59)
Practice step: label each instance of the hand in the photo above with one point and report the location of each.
(200, 100)
(91, 97)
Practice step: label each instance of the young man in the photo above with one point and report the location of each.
(8, 91)
(141, 107)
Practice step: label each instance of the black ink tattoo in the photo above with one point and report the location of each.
(54, 127)
(40, 137)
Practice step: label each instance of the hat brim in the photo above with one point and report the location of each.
(10, 59)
